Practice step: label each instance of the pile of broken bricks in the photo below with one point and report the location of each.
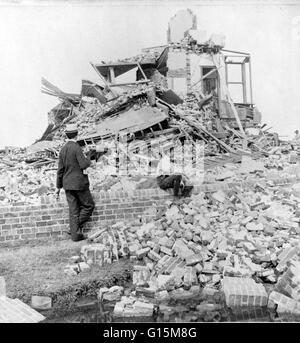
(242, 243)
(108, 245)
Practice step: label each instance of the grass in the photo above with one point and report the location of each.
(39, 270)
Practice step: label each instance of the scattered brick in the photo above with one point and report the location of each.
(244, 292)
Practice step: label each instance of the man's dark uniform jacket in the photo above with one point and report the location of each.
(71, 163)
(70, 176)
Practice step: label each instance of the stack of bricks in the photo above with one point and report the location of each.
(130, 307)
(167, 264)
(96, 254)
(289, 283)
(248, 314)
(288, 254)
(244, 292)
(284, 304)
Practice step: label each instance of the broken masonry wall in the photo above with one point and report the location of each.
(177, 73)
(22, 223)
(180, 24)
(180, 66)
(197, 63)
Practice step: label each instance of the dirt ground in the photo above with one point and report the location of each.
(39, 270)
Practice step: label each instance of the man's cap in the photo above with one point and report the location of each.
(71, 128)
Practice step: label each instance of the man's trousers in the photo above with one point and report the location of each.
(81, 206)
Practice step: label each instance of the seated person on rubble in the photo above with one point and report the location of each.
(167, 179)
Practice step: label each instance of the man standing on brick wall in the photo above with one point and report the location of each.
(71, 175)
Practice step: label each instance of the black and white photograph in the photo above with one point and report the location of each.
(150, 165)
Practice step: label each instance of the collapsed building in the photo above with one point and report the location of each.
(182, 92)
(188, 77)
(191, 63)
(236, 239)
(156, 101)
(234, 243)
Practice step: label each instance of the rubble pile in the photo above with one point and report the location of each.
(109, 244)
(190, 119)
(242, 243)
(236, 245)
(178, 97)
(90, 111)
(26, 174)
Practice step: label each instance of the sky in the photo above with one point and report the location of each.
(58, 40)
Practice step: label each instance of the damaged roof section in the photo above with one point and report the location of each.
(131, 121)
(93, 90)
(50, 89)
(146, 64)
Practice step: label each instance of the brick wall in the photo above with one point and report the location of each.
(22, 223)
